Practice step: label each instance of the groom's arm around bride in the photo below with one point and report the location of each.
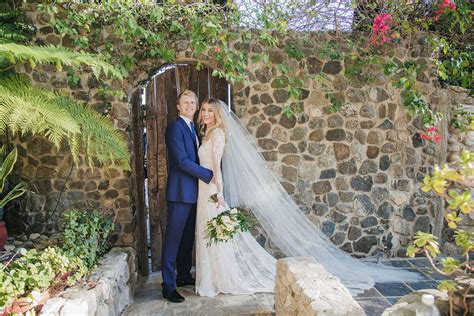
(183, 164)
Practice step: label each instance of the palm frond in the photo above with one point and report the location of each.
(59, 56)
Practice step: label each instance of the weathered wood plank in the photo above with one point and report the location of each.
(139, 182)
(152, 168)
(162, 170)
(203, 84)
(193, 79)
(182, 75)
(212, 82)
(171, 95)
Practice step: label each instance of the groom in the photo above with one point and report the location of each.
(181, 193)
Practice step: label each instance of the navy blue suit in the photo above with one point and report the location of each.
(181, 193)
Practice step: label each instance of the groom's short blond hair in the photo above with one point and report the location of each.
(187, 93)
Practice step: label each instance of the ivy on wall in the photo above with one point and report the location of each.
(156, 31)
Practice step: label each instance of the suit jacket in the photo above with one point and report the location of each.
(183, 164)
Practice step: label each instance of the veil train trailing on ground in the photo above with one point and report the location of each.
(249, 182)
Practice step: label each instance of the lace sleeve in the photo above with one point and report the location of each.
(218, 144)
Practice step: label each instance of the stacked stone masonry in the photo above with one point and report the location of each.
(356, 173)
(304, 287)
(108, 291)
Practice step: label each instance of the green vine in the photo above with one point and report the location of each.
(159, 31)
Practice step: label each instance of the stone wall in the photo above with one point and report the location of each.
(48, 170)
(355, 173)
(303, 287)
(111, 291)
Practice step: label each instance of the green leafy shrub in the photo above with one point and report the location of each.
(86, 235)
(86, 238)
(36, 271)
(453, 182)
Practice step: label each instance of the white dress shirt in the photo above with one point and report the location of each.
(188, 122)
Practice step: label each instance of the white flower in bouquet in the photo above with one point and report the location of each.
(221, 234)
(226, 224)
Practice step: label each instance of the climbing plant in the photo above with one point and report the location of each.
(454, 183)
(160, 30)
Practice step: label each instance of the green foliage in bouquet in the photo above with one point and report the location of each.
(224, 226)
(453, 182)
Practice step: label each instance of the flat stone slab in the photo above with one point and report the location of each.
(304, 287)
(149, 301)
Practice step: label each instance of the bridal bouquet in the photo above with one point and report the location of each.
(228, 223)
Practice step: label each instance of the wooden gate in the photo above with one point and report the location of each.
(159, 108)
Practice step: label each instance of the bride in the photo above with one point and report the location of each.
(242, 266)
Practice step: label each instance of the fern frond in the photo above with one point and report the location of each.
(27, 109)
(59, 56)
(99, 138)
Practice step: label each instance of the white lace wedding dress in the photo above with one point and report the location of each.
(240, 266)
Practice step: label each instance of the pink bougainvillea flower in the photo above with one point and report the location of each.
(424, 136)
(380, 29)
(431, 135)
(448, 3)
(217, 49)
(443, 6)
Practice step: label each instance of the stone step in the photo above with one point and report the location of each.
(148, 301)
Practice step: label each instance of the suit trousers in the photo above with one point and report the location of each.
(178, 243)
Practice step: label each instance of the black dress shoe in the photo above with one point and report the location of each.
(185, 282)
(173, 296)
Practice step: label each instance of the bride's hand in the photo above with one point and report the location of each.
(220, 201)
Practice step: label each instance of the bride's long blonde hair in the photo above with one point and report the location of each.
(215, 105)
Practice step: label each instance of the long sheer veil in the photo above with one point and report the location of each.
(249, 182)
